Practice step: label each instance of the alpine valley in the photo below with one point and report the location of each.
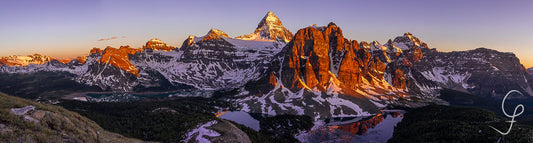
(312, 76)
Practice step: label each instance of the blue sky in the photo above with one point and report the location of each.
(66, 28)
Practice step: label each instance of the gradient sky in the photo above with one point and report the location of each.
(70, 28)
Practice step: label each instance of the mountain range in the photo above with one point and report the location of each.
(316, 72)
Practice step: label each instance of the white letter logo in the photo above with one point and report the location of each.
(514, 113)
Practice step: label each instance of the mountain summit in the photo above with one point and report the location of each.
(214, 34)
(157, 44)
(269, 28)
(407, 41)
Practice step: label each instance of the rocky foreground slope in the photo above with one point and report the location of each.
(22, 120)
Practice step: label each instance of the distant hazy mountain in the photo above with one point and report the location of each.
(25, 60)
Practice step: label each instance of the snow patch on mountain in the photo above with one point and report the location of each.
(445, 76)
(311, 102)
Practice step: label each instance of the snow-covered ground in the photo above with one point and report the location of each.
(197, 135)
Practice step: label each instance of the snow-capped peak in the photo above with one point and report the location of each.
(269, 28)
(408, 41)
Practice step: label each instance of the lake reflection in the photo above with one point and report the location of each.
(373, 129)
(378, 128)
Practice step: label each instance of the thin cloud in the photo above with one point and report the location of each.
(110, 38)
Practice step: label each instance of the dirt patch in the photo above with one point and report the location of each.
(39, 114)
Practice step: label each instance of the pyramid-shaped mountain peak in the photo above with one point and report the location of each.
(269, 28)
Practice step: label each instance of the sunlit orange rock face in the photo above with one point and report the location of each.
(96, 50)
(316, 55)
(417, 54)
(307, 63)
(214, 34)
(399, 79)
(188, 42)
(119, 58)
(413, 57)
(349, 71)
(272, 80)
(159, 45)
(372, 68)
